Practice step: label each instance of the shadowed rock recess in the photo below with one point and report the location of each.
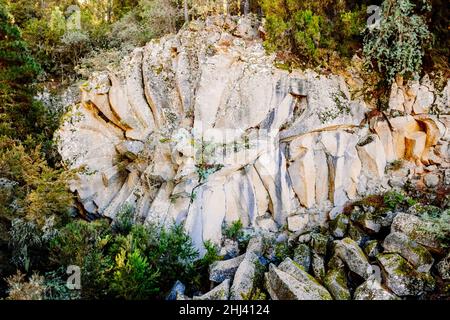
(201, 128)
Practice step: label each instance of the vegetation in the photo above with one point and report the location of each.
(397, 47)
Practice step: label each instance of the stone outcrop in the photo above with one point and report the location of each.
(201, 128)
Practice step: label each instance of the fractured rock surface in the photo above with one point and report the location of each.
(200, 128)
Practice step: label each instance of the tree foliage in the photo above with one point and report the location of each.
(398, 46)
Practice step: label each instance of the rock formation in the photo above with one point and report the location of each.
(201, 128)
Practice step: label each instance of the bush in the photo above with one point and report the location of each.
(29, 243)
(39, 190)
(397, 47)
(234, 231)
(20, 289)
(311, 28)
(133, 276)
(83, 244)
(439, 225)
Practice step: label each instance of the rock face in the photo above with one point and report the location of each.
(200, 128)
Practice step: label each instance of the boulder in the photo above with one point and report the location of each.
(297, 223)
(243, 282)
(338, 226)
(413, 252)
(349, 252)
(230, 249)
(302, 255)
(219, 271)
(443, 267)
(356, 234)
(372, 248)
(371, 289)
(220, 292)
(402, 278)
(431, 180)
(318, 266)
(290, 282)
(319, 243)
(336, 282)
(416, 229)
(177, 289)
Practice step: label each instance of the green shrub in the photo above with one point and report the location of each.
(439, 224)
(124, 219)
(234, 231)
(133, 277)
(56, 286)
(394, 200)
(307, 32)
(397, 47)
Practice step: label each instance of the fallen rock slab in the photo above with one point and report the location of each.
(413, 252)
(402, 278)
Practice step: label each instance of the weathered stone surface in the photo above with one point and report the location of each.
(443, 267)
(335, 281)
(200, 128)
(177, 289)
(415, 229)
(355, 233)
(290, 282)
(402, 278)
(302, 255)
(220, 292)
(372, 155)
(318, 266)
(297, 223)
(431, 180)
(372, 290)
(372, 248)
(224, 269)
(243, 282)
(413, 252)
(349, 251)
(319, 243)
(339, 226)
(230, 249)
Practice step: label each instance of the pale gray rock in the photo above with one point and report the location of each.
(371, 289)
(431, 180)
(349, 252)
(177, 289)
(221, 270)
(443, 267)
(290, 282)
(413, 252)
(336, 282)
(402, 278)
(244, 277)
(220, 292)
(415, 229)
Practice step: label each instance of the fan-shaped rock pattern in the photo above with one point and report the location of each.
(200, 128)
